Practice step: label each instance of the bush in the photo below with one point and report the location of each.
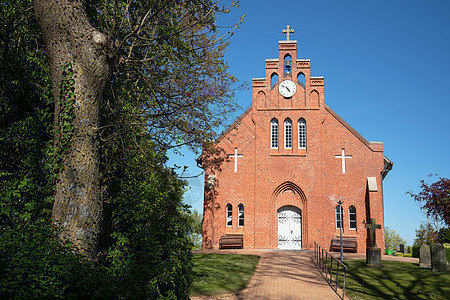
(447, 252)
(35, 264)
(444, 235)
(415, 251)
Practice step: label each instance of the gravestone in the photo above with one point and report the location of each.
(438, 258)
(425, 256)
(373, 253)
(402, 248)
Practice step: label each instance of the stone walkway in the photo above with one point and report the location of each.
(285, 275)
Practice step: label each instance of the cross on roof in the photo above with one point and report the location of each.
(288, 31)
(373, 227)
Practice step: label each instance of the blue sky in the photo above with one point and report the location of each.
(387, 73)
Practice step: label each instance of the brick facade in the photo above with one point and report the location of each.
(312, 179)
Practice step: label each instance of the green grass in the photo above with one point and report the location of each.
(396, 280)
(217, 274)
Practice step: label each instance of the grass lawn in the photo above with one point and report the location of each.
(216, 274)
(396, 280)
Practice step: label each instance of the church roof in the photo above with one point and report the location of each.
(234, 124)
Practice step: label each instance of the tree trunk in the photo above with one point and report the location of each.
(70, 39)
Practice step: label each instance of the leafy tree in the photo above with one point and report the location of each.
(444, 235)
(164, 63)
(195, 229)
(26, 118)
(435, 199)
(392, 239)
(426, 234)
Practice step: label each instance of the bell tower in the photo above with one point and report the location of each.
(288, 83)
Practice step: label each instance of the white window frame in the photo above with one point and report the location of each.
(350, 218)
(241, 216)
(287, 134)
(339, 217)
(274, 134)
(301, 134)
(229, 215)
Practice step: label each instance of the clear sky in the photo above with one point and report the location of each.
(387, 73)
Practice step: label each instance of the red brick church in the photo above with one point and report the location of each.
(277, 173)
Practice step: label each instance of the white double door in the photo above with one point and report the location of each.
(289, 228)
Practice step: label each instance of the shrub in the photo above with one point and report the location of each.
(415, 251)
(35, 264)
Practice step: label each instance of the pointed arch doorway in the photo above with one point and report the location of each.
(289, 228)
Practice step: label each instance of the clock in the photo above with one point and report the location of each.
(287, 88)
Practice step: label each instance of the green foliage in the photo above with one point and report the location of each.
(426, 234)
(145, 247)
(26, 113)
(392, 239)
(144, 240)
(444, 235)
(195, 229)
(447, 253)
(35, 264)
(415, 251)
(408, 249)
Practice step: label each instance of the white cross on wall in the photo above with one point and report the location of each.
(235, 156)
(343, 157)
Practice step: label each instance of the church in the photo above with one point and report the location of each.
(277, 174)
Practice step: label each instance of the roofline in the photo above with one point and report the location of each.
(352, 130)
(232, 126)
(387, 167)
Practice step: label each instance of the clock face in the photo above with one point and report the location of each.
(287, 88)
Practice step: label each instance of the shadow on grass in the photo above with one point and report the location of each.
(395, 280)
(216, 274)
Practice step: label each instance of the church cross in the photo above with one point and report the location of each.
(288, 31)
(235, 156)
(373, 227)
(343, 157)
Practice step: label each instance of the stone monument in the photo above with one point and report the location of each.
(425, 256)
(373, 253)
(402, 248)
(438, 258)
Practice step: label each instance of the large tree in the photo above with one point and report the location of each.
(435, 199)
(164, 60)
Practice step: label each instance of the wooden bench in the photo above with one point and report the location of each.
(348, 244)
(231, 241)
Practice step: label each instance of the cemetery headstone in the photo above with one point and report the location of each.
(425, 256)
(438, 258)
(402, 248)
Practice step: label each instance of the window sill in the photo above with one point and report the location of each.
(288, 152)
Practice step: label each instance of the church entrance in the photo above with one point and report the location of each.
(289, 228)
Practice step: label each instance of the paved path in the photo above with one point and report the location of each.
(283, 275)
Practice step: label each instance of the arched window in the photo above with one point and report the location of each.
(288, 134)
(274, 134)
(241, 215)
(287, 64)
(301, 79)
(301, 134)
(339, 217)
(229, 215)
(273, 80)
(352, 217)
